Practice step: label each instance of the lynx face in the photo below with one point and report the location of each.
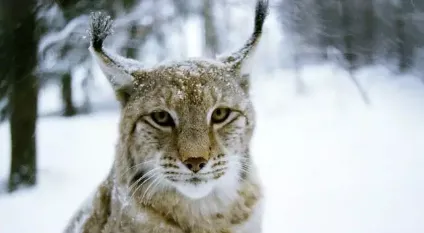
(185, 125)
(191, 127)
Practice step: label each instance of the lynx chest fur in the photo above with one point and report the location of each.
(183, 160)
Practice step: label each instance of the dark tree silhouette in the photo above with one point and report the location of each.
(364, 31)
(19, 48)
(211, 42)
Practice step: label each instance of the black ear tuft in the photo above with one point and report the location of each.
(261, 12)
(237, 58)
(100, 28)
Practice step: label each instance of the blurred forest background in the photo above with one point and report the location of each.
(44, 44)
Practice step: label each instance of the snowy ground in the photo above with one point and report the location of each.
(329, 163)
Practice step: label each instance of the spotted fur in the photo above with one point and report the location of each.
(150, 188)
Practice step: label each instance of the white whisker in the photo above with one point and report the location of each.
(154, 181)
(139, 186)
(136, 166)
(144, 175)
(155, 186)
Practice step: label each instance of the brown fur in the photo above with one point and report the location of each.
(150, 189)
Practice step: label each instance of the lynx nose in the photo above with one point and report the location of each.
(195, 164)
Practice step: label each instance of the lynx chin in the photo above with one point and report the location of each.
(183, 162)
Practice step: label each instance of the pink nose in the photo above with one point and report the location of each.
(195, 164)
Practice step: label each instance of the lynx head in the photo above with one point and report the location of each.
(185, 125)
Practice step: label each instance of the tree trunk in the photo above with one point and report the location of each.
(348, 38)
(131, 49)
(349, 53)
(369, 31)
(68, 106)
(19, 19)
(404, 49)
(211, 43)
(23, 115)
(85, 85)
(161, 40)
(298, 81)
(323, 34)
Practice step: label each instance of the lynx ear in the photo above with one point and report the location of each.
(240, 59)
(117, 69)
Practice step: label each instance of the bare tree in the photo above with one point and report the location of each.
(403, 41)
(67, 103)
(19, 47)
(211, 41)
(369, 30)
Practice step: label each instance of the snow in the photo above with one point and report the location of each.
(329, 163)
(70, 165)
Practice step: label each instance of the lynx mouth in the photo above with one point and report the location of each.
(196, 181)
(193, 180)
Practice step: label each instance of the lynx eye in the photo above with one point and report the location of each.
(162, 118)
(219, 115)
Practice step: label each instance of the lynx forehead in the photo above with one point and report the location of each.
(183, 155)
(190, 80)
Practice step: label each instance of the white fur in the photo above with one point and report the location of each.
(225, 188)
(195, 191)
(115, 72)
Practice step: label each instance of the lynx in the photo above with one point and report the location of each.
(183, 162)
